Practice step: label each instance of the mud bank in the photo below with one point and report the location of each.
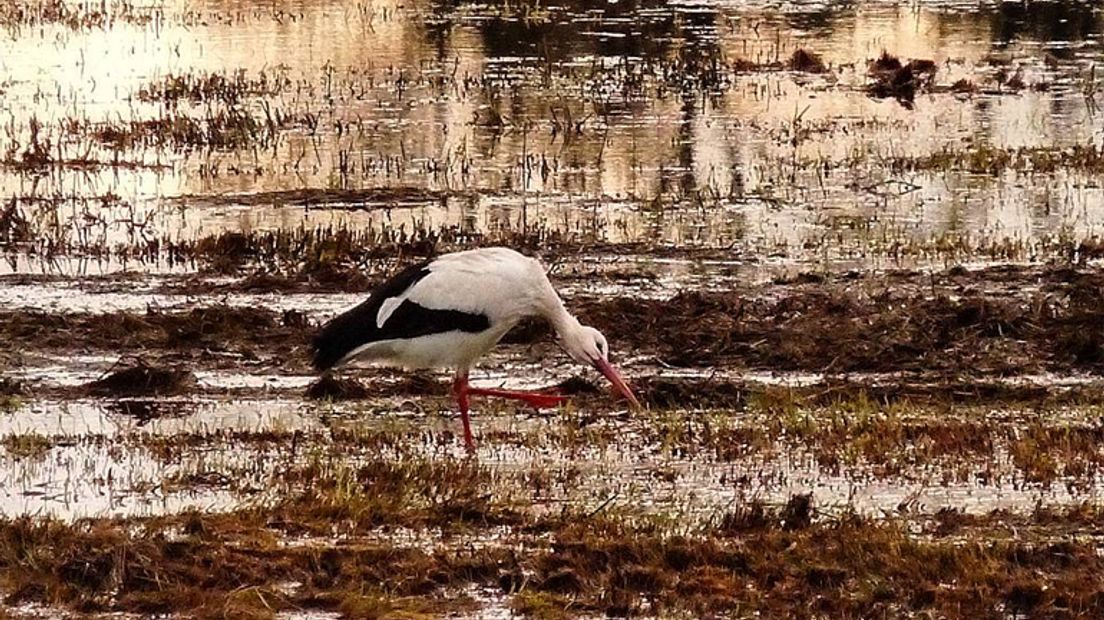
(962, 323)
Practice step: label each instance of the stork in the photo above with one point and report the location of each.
(450, 311)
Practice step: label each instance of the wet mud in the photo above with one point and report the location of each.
(957, 323)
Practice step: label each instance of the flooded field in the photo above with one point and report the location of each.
(849, 255)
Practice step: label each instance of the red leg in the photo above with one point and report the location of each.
(461, 390)
(540, 400)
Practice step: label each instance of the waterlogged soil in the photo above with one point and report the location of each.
(992, 322)
(849, 258)
(798, 432)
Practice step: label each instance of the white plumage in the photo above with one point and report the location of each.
(452, 310)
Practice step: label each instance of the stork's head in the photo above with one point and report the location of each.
(587, 345)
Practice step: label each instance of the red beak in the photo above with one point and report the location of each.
(614, 377)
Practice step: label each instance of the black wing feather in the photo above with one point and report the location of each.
(357, 327)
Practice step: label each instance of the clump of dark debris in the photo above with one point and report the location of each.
(668, 393)
(806, 62)
(13, 387)
(964, 87)
(329, 387)
(14, 227)
(900, 81)
(141, 379)
(418, 383)
(144, 411)
(575, 386)
(1013, 82)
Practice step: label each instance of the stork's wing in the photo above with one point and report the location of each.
(391, 312)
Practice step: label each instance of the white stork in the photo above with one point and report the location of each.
(450, 311)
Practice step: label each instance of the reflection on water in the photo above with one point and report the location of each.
(631, 121)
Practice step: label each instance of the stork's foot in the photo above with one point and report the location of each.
(538, 400)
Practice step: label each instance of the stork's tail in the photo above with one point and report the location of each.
(356, 327)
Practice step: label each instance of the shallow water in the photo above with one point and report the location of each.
(72, 482)
(158, 416)
(619, 124)
(118, 458)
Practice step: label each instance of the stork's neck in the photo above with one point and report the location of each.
(553, 310)
(563, 321)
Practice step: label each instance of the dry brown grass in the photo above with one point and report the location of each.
(776, 562)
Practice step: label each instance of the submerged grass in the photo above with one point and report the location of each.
(306, 256)
(228, 89)
(104, 15)
(944, 444)
(205, 565)
(12, 393)
(232, 128)
(27, 446)
(995, 160)
(330, 496)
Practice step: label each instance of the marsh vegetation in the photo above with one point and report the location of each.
(850, 255)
